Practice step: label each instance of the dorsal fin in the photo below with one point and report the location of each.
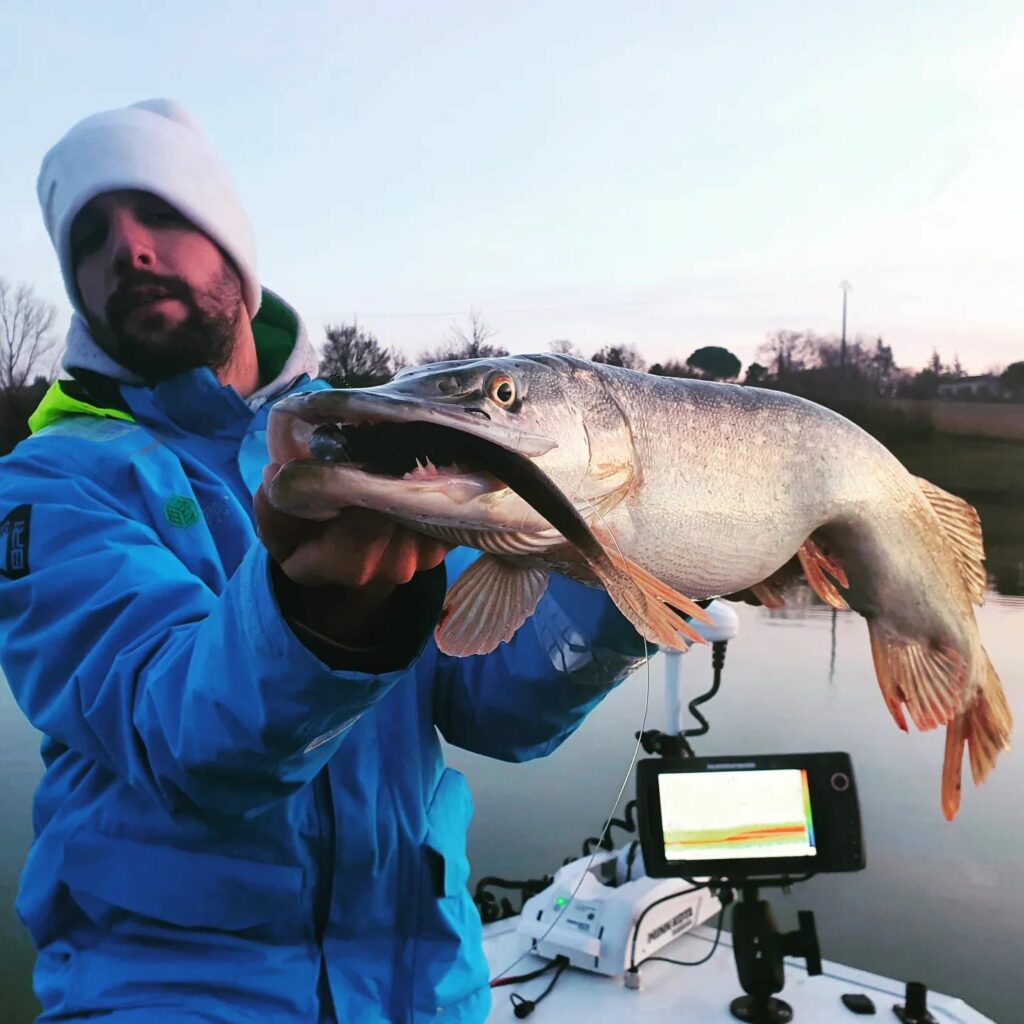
(963, 531)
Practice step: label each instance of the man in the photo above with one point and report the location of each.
(245, 812)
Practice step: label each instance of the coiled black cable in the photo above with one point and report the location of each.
(492, 908)
(626, 823)
(717, 664)
(523, 1007)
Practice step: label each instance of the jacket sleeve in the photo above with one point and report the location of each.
(524, 699)
(119, 651)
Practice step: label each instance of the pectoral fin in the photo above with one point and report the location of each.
(652, 606)
(487, 604)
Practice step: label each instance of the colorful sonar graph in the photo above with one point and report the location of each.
(726, 815)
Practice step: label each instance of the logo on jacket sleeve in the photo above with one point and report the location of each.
(180, 511)
(14, 543)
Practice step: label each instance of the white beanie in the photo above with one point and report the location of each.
(156, 147)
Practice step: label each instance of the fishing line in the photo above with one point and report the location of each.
(632, 760)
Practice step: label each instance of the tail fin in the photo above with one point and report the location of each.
(985, 728)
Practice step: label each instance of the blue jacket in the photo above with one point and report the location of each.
(221, 812)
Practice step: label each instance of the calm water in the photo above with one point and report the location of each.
(939, 902)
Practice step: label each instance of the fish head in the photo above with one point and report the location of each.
(429, 447)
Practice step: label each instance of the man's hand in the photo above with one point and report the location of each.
(336, 574)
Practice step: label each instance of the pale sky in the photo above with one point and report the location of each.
(664, 174)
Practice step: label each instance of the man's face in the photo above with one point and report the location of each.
(159, 295)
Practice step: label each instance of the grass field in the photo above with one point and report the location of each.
(988, 474)
(966, 465)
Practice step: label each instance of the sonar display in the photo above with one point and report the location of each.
(732, 814)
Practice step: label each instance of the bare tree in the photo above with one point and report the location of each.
(620, 355)
(785, 353)
(354, 358)
(461, 344)
(564, 347)
(26, 325)
(883, 368)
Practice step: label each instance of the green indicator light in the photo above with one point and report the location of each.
(561, 901)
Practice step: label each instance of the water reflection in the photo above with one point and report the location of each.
(1008, 577)
(1002, 525)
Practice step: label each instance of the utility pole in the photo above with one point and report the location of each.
(846, 286)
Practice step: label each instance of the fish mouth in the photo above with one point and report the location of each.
(417, 461)
(386, 451)
(413, 451)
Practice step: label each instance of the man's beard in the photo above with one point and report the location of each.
(156, 349)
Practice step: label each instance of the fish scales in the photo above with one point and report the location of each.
(663, 491)
(713, 520)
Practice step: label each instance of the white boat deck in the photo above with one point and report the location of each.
(695, 995)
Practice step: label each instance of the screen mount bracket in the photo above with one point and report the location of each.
(759, 948)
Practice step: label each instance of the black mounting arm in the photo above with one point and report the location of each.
(759, 948)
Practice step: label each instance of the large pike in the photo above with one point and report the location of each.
(664, 491)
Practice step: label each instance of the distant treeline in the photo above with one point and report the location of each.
(817, 366)
(848, 376)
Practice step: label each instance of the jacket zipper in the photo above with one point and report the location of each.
(325, 854)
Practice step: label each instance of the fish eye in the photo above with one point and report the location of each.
(502, 390)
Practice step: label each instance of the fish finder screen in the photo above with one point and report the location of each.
(732, 814)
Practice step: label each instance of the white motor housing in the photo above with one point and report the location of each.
(595, 927)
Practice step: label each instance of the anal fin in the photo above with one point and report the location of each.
(928, 681)
(487, 604)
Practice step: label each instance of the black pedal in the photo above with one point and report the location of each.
(915, 1008)
(857, 1002)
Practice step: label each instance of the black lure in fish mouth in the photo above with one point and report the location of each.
(399, 438)
(416, 448)
(395, 449)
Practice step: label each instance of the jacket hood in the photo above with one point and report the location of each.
(283, 350)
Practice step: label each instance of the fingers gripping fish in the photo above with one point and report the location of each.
(664, 491)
